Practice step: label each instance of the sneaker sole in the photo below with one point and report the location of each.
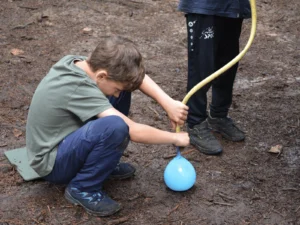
(73, 201)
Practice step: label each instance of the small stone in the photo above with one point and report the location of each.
(87, 30)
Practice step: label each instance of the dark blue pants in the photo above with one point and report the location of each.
(212, 42)
(86, 157)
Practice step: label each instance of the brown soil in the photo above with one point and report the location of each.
(245, 185)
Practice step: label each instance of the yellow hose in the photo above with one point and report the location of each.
(229, 64)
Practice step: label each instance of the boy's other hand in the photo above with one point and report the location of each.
(177, 112)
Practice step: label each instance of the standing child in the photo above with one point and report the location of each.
(213, 30)
(78, 129)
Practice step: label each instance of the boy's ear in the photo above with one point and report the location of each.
(101, 74)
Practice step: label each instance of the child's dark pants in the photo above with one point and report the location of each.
(86, 157)
(212, 42)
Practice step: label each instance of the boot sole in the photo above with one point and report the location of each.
(208, 152)
(74, 201)
(227, 137)
(122, 177)
(224, 135)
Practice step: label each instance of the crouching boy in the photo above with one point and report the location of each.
(78, 129)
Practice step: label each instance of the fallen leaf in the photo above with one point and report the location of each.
(276, 149)
(17, 132)
(16, 51)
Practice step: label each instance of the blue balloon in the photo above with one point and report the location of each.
(180, 175)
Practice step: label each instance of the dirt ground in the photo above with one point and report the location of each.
(245, 185)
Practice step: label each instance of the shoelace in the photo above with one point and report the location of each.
(230, 122)
(98, 196)
(203, 133)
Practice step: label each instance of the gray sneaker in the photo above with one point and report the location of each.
(202, 138)
(226, 128)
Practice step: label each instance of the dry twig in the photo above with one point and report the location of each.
(274, 210)
(182, 153)
(22, 26)
(49, 210)
(134, 197)
(156, 113)
(28, 7)
(290, 189)
(118, 221)
(227, 197)
(174, 209)
(223, 203)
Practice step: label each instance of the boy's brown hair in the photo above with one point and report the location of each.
(121, 59)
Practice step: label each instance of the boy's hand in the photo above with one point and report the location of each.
(182, 139)
(177, 112)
